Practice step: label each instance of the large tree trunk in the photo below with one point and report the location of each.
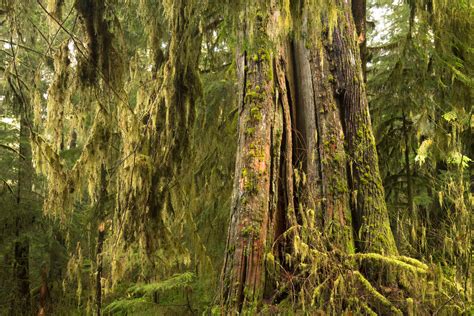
(306, 154)
(371, 222)
(359, 12)
(251, 202)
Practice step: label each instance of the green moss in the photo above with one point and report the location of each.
(341, 186)
(339, 157)
(256, 113)
(376, 259)
(250, 181)
(252, 95)
(250, 230)
(250, 131)
(244, 173)
(331, 78)
(371, 291)
(264, 54)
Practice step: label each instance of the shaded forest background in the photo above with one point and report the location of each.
(119, 132)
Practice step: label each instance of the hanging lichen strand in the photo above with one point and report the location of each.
(58, 102)
(87, 115)
(55, 9)
(452, 61)
(157, 136)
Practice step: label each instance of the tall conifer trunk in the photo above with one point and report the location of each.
(371, 222)
(21, 270)
(359, 8)
(305, 146)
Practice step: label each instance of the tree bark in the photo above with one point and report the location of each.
(22, 298)
(100, 244)
(359, 12)
(243, 272)
(305, 147)
(44, 296)
(100, 238)
(371, 221)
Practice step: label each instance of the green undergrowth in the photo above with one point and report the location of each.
(315, 278)
(181, 294)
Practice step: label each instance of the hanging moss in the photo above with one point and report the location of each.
(104, 51)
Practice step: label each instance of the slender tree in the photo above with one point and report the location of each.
(21, 268)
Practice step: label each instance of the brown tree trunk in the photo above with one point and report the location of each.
(100, 238)
(21, 270)
(305, 147)
(243, 272)
(44, 296)
(371, 222)
(100, 244)
(359, 12)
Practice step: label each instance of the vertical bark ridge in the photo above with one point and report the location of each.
(244, 268)
(334, 187)
(372, 224)
(306, 126)
(283, 67)
(359, 8)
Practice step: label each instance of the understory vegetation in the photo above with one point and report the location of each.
(221, 157)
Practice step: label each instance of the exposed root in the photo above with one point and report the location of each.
(379, 300)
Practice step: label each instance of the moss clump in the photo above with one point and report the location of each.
(250, 230)
(103, 58)
(250, 181)
(252, 95)
(250, 131)
(255, 113)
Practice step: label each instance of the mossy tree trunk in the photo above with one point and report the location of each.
(359, 12)
(102, 212)
(370, 215)
(305, 140)
(243, 272)
(172, 115)
(23, 218)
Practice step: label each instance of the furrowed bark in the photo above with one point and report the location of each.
(370, 214)
(319, 124)
(263, 185)
(243, 270)
(359, 12)
(302, 106)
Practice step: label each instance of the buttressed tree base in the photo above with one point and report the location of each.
(217, 157)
